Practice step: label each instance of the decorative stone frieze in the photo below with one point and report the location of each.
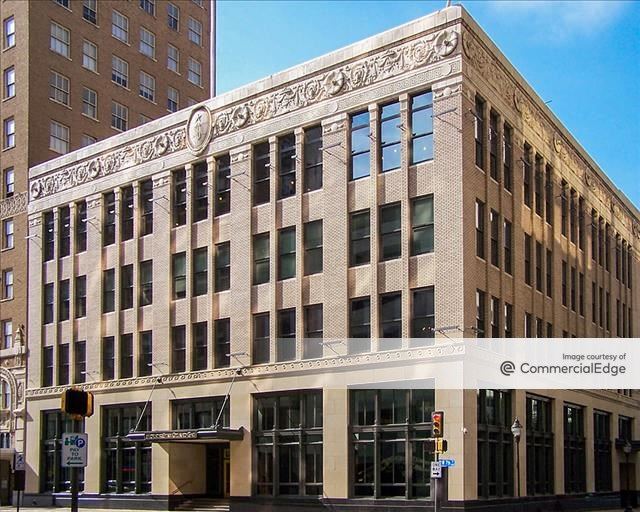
(13, 205)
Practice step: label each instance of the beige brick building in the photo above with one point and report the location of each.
(384, 198)
(74, 72)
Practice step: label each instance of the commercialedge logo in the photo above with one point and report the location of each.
(508, 368)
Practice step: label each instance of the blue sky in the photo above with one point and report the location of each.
(582, 56)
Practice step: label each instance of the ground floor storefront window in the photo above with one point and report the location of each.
(540, 461)
(288, 444)
(574, 450)
(127, 464)
(389, 451)
(55, 478)
(198, 413)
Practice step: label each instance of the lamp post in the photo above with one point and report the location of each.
(516, 430)
(627, 449)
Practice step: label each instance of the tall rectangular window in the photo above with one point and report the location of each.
(223, 186)
(63, 364)
(58, 137)
(360, 146)
(109, 219)
(287, 253)
(179, 270)
(90, 56)
(7, 284)
(9, 32)
(539, 191)
(539, 439)
(602, 451)
(507, 240)
(313, 247)
(64, 300)
(313, 158)
(60, 40)
(261, 259)
(527, 164)
(89, 103)
(508, 320)
(360, 325)
(90, 11)
(390, 137)
(359, 238)
(422, 316)
(173, 58)
(479, 131)
(147, 86)
(173, 97)
(285, 343)
(539, 266)
(64, 231)
(564, 205)
(8, 182)
(573, 288)
(173, 16)
(287, 166)
(149, 6)
(481, 313)
(565, 279)
(574, 450)
(261, 173)
(126, 213)
(200, 347)
(194, 28)
(200, 192)
(313, 331)
(119, 71)
(80, 297)
(179, 197)
(549, 268)
(261, 338)
(49, 236)
(495, 238)
(48, 305)
(422, 233)
(80, 362)
(9, 139)
(126, 287)
(390, 232)
(527, 260)
(223, 266)
(120, 26)
(126, 356)
(47, 366)
(507, 156)
(390, 316)
(581, 293)
(194, 72)
(58, 88)
(108, 290)
(222, 348)
(108, 358)
(495, 317)
(146, 282)
(178, 349)
(480, 250)
(422, 127)
(119, 116)
(146, 207)
(494, 172)
(200, 271)
(549, 194)
(8, 234)
(573, 207)
(145, 355)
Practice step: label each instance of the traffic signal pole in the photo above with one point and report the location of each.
(74, 489)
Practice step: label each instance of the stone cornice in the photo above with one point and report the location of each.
(13, 205)
(513, 94)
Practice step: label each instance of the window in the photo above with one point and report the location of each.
(81, 227)
(572, 215)
(173, 58)
(63, 364)
(261, 258)
(147, 86)
(120, 26)
(48, 224)
(58, 88)
(223, 267)
(539, 265)
(389, 449)
(109, 219)
(173, 16)
(390, 232)
(390, 320)
(48, 303)
(7, 334)
(9, 32)
(149, 6)
(286, 340)
(63, 3)
(146, 207)
(179, 266)
(9, 182)
(313, 247)
(145, 357)
(549, 194)
(528, 278)
(200, 413)
(565, 208)
(47, 366)
(479, 131)
(581, 292)
(9, 133)
(64, 231)
(194, 72)
(178, 349)
(313, 158)
(200, 192)
(179, 197)
(422, 225)
(261, 173)
(119, 116)
(60, 40)
(261, 338)
(508, 320)
(58, 137)
(360, 146)
(507, 157)
(288, 444)
(126, 287)
(359, 325)
(481, 313)
(54, 424)
(222, 348)
(223, 186)
(602, 451)
(8, 234)
(80, 297)
(495, 317)
(480, 229)
(119, 71)
(526, 174)
(63, 300)
(200, 266)
(7, 284)
(573, 288)
(360, 244)
(494, 172)
(9, 82)
(90, 11)
(147, 43)
(539, 193)
(80, 362)
(495, 238)
(89, 103)
(423, 316)
(625, 427)
(390, 137)
(313, 331)
(287, 253)
(126, 213)
(565, 279)
(287, 166)
(422, 128)
(108, 290)
(127, 463)
(146, 282)
(549, 273)
(172, 99)
(194, 28)
(508, 246)
(539, 439)
(90, 56)
(200, 349)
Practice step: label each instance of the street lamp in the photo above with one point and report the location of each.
(516, 430)
(627, 449)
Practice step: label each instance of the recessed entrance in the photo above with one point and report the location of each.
(218, 470)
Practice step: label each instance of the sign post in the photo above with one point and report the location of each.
(18, 476)
(74, 456)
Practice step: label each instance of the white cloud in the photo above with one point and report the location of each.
(558, 20)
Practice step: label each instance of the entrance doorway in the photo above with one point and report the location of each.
(218, 470)
(630, 492)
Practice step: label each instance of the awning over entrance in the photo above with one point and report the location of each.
(188, 436)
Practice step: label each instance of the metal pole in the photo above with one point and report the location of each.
(628, 500)
(518, 468)
(18, 502)
(74, 489)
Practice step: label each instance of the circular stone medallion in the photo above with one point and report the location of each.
(199, 128)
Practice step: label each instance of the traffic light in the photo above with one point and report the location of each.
(437, 419)
(441, 445)
(77, 403)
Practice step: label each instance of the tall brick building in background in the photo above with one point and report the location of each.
(75, 72)
(378, 193)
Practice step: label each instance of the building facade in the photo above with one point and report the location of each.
(242, 277)
(74, 72)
